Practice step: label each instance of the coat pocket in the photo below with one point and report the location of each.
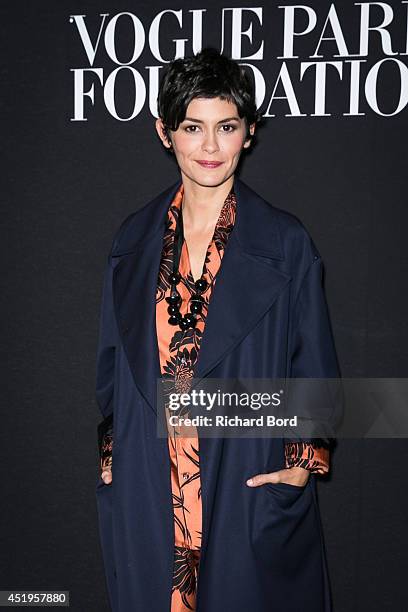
(284, 526)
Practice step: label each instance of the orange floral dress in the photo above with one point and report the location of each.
(178, 352)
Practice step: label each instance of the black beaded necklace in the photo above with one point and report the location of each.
(174, 300)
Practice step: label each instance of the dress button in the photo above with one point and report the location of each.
(186, 475)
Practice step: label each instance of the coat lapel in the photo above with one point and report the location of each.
(137, 255)
(247, 284)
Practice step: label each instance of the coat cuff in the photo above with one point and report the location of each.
(307, 455)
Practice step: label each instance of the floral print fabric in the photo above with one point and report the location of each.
(178, 351)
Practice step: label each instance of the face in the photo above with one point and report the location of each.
(212, 132)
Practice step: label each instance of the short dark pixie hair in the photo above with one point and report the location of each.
(209, 74)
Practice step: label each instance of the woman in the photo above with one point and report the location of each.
(209, 280)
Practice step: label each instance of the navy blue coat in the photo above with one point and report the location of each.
(262, 547)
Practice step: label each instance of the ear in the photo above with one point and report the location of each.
(251, 131)
(161, 132)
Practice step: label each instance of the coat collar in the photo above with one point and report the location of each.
(248, 284)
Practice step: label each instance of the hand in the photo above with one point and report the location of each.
(107, 476)
(295, 475)
(106, 469)
(106, 458)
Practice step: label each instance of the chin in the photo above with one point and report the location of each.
(213, 181)
(211, 178)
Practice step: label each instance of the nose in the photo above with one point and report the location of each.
(210, 144)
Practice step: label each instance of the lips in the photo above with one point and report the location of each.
(208, 164)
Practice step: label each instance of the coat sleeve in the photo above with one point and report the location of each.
(313, 355)
(105, 356)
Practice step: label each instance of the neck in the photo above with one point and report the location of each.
(202, 205)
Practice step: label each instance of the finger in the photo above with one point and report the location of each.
(260, 479)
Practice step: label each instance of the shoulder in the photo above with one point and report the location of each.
(133, 227)
(296, 244)
(301, 255)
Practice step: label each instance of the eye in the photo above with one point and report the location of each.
(229, 125)
(190, 129)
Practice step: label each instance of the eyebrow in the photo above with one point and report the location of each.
(222, 120)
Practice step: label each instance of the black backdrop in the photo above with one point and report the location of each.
(68, 184)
